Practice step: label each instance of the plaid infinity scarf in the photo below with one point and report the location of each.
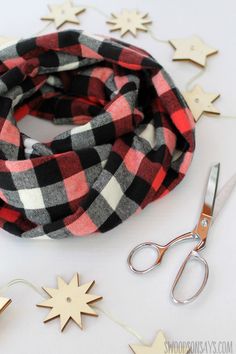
(132, 142)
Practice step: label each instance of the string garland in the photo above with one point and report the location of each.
(159, 344)
(103, 311)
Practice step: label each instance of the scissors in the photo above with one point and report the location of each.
(200, 233)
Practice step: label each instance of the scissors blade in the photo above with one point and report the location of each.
(211, 191)
(224, 195)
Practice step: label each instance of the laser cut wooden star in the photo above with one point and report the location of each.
(159, 346)
(200, 102)
(192, 49)
(129, 21)
(4, 303)
(70, 301)
(63, 13)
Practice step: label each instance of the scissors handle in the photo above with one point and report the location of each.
(160, 250)
(193, 255)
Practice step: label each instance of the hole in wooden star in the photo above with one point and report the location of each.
(192, 47)
(68, 299)
(197, 100)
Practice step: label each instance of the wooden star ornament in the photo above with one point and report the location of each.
(70, 301)
(200, 102)
(129, 21)
(192, 49)
(4, 303)
(63, 13)
(159, 346)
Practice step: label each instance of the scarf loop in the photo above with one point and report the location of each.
(132, 140)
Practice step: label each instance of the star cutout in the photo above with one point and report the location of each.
(200, 101)
(63, 13)
(4, 303)
(70, 301)
(129, 21)
(159, 346)
(192, 49)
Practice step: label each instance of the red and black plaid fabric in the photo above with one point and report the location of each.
(132, 141)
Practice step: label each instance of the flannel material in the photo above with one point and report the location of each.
(132, 140)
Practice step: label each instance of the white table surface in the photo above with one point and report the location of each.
(142, 302)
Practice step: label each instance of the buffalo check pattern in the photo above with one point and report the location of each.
(132, 140)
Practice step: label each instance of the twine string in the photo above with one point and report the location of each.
(102, 13)
(152, 34)
(194, 78)
(22, 281)
(227, 116)
(39, 291)
(127, 328)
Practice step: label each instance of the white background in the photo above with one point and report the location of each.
(142, 302)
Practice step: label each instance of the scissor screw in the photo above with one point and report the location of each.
(204, 222)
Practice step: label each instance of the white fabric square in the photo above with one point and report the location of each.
(28, 143)
(149, 134)
(31, 198)
(81, 128)
(112, 192)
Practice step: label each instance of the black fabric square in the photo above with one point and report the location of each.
(27, 84)
(79, 86)
(151, 63)
(88, 157)
(128, 139)
(113, 162)
(53, 226)
(110, 223)
(68, 38)
(48, 173)
(5, 105)
(92, 195)
(170, 177)
(104, 134)
(59, 211)
(49, 59)
(59, 146)
(138, 190)
(109, 50)
(63, 107)
(108, 93)
(7, 181)
(48, 105)
(12, 77)
(12, 228)
(130, 86)
(25, 46)
(158, 155)
(94, 110)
